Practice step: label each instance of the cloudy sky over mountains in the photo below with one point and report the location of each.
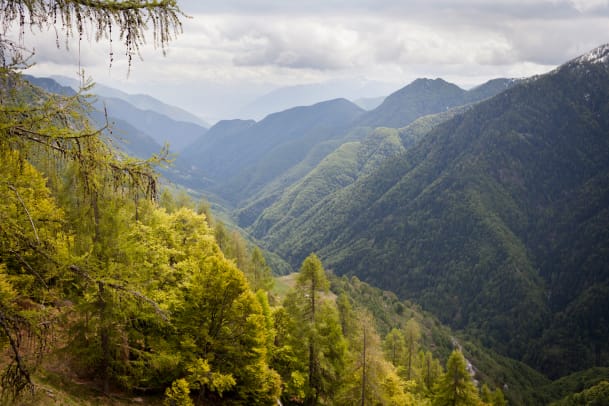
(233, 51)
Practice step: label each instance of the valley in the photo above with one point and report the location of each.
(443, 246)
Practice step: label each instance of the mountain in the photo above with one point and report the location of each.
(130, 139)
(354, 159)
(161, 128)
(427, 96)
(497, 220)
(141, 132)
(141, 101)
(241, 157)
(252, 207)
(369, 103)
(303, 95)
(270, 207)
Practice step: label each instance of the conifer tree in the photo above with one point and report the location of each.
(371, 379)
(51, 135)
(312, 280)
(455, 386)
(394, 347)
(412, 336)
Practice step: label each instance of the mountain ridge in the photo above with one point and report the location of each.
(242, 161)
(469, 209)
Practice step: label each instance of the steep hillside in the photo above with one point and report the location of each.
(240, 161)
(496, 221)
(134, 124)
(352, 160)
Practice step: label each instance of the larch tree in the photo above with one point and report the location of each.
(46, 137)
(394, 347)
(371, 378)
(412, 336)
(311, 281)
(455, 387)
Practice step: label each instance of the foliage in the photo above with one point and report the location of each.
(455, 386)
(596, 395)
(497, 213)
(129, 19)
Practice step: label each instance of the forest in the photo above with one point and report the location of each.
(117, 288)
(136, 290)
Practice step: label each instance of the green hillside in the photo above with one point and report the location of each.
(239, 159)
(495, 214)
(427, 96)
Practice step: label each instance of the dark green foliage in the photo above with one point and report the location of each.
(597, 395)
(427, 96)
(496, 221)
(573, 383)
(336, 171)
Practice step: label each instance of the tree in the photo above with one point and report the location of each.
(347, 315)
(492, 398)
(371, 379)
(31, 247)
(102, 18)
(412, 335)
(49, 135)
(259, 275)
(311, 280)
(394, 347)
(431, 370)
(455, 386)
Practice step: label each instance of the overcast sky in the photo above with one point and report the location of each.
(232, 51)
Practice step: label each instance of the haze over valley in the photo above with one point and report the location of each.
(367, 204)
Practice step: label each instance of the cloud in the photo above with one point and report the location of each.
(250, 46)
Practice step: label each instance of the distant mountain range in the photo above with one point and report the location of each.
(140, 101)
(288, 97)
(249, 165)
(139, 131)
(237, 158)
(427, 96)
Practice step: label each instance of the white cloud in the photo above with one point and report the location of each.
(247, 47)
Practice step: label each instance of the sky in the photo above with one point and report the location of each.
(231, 52)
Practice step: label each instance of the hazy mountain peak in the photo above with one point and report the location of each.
(427, 82)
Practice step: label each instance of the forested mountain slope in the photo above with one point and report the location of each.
(240, 162)
(251, 166)
(427, 96)
(354, 159)
(496, 221)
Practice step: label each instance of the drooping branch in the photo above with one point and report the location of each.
(128, 18)
(58, 124)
